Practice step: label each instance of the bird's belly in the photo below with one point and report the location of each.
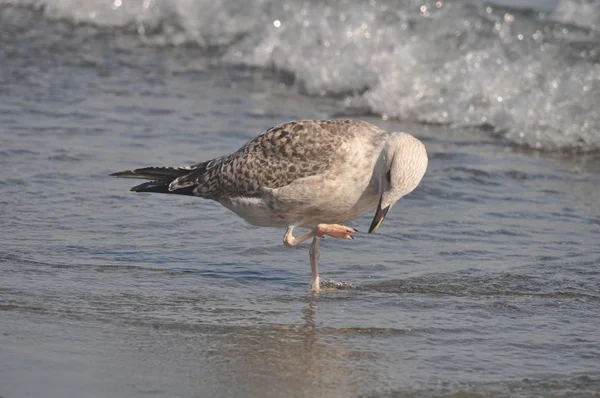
(273, 213)
(256, 211)
(343, 212)
(324, 202)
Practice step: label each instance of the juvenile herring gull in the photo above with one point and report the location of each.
(315, 174)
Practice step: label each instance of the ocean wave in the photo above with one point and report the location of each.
(532, 77)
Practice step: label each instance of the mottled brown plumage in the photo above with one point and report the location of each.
(279, 156)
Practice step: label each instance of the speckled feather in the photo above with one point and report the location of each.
(276, 158)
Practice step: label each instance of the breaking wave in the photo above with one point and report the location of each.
(530, 75)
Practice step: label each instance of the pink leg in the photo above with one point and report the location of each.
(335, 231)
(321, 230)
(313, 254)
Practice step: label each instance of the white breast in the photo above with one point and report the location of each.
(255, 211)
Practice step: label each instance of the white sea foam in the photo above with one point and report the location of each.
(532, 77)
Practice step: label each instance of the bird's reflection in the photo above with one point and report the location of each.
(309, 312)
(272, 359)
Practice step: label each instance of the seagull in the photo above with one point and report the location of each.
(315, 174)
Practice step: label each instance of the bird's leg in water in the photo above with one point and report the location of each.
(321, 230)
(314, 263)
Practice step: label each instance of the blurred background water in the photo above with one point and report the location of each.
(484, 281)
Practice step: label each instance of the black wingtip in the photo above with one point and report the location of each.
(123, 174)
(152, 186)
(161, 179)
(162, 187)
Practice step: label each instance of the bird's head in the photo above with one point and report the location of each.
(400, 168)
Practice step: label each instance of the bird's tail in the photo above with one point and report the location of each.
(161, 178)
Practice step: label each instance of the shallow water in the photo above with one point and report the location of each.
(482, 282)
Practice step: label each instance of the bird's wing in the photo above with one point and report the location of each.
(276, 158)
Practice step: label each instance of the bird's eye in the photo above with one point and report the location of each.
(388, 175)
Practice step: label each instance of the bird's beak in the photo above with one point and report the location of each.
(379, 216)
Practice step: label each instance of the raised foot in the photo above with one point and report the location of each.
(335, 231)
